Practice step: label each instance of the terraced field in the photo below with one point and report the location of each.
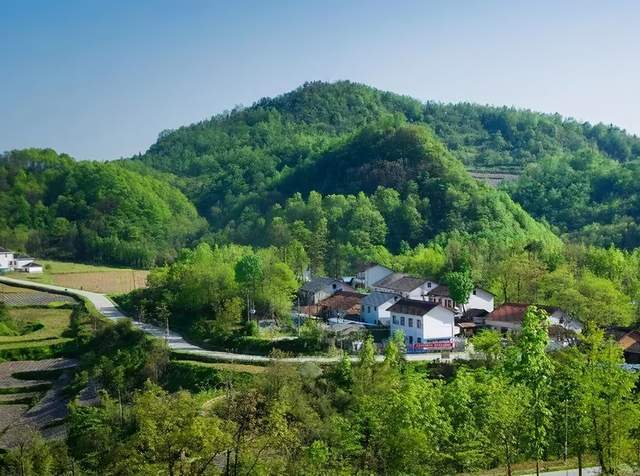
(32, 398)
(13, 296)
(52, 324)
(100, 279)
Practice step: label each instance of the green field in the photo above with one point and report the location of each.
(54, 323)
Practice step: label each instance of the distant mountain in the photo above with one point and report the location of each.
(53, 206)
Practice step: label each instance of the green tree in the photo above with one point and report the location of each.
(460, 287)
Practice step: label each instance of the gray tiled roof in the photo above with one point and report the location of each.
(4, 250)
(413, 307)
(376, 298)
(319, 283)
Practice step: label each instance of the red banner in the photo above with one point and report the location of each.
(432, 345)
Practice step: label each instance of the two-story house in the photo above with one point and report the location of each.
(371, 273)
(6, 259)
(375, 307)
(406, 286)
(422, 321)
(478, 299)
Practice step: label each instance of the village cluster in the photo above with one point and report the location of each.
(12, 261)
(424, 311)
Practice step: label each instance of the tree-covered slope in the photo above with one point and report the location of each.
(52, 206)
(294, 142)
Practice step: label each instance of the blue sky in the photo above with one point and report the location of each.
(101, 79)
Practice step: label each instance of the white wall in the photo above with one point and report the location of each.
(559, 318)
(377, 314)
(435, 324)
(5, 260)
(374, 274)
(480, 300)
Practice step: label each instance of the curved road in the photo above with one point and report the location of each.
(176, 342)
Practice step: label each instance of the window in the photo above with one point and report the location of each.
(368, 308)
(429, 284)
(419, 323)
(411, 322)
(410, 339)
(395, 320)
(474, 292)
(402, 320)
(375, 308)
(419, 340)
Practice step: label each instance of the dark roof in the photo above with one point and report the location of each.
(440, 290)
(319, 283)
(514, 312)
(21, 256)
(345, 301)
(365, 266)
(400, 282)
(413, 306)
(377, 297)
(473, 312)
(33, 265)
(630, 342)
(4, 250)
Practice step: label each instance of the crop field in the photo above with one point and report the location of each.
(14, 296)
(100, 279)
(54, 323)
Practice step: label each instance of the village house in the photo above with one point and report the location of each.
(479, 299)
(630, 343)
(319, 288)
(375, 307)
(371, 273)
(6, 258)
(342, 304)
(422, 322)
(406, 286)
(10, 261)
(509, 317)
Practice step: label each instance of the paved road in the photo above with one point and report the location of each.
(177, 343)
(594, 471)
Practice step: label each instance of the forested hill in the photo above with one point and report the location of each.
(246, 155)
(53, 206)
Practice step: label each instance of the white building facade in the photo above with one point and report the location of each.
(422, 321)
(375, 308)
(370, 274)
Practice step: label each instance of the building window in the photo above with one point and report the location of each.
(395, 320)
(402, 320)
(410, 339)
(411, 322)
(375, 308)
(429, 284)
(474, 292)
(419, 340)
(368, 308)
(419, 323)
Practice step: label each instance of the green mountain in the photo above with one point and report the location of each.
(53, 206)
(338, 168)
(306, 140)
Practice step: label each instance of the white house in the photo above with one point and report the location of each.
(6, 259)
(319, 288)
(406, 286)
(371, 273)
(478, 299)
(422, 321)
(20, 261)
(375, 307)
(33, 267)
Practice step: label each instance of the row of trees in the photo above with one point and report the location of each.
(366, 417)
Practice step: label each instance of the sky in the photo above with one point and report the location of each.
(101, 79)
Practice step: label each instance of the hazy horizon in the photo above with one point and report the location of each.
(103, 82)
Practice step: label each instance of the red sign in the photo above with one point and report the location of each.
(432, 345)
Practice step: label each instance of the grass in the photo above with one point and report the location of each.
(244, 368)
(102, 279)
(54, 323)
